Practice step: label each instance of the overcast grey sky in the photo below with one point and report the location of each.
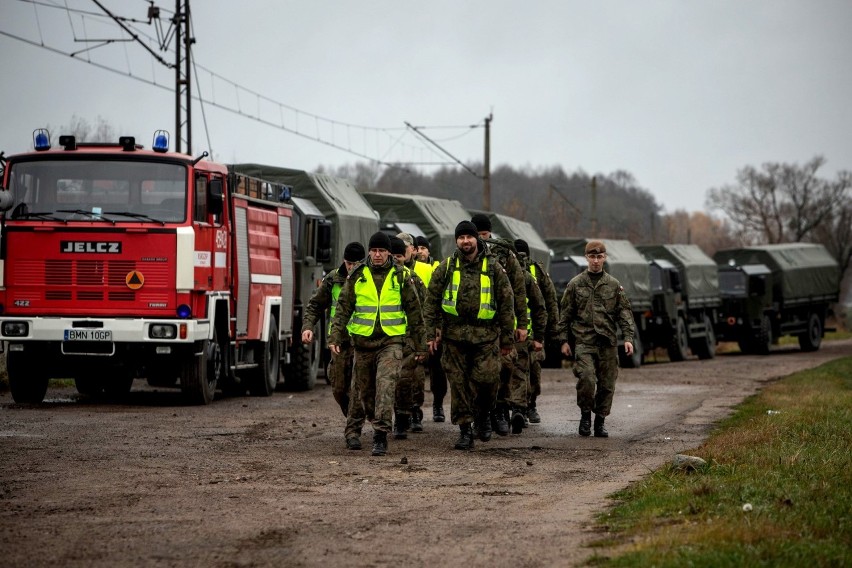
(680, 94)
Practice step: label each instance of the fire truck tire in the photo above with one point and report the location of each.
(27, 380)
(679, 346)
(812, 338)
(264, 378)
(705, 347)
(196, 382)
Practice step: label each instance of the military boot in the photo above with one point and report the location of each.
(353, 443)
(483, 426)
(586, 423)
(600, 431)
(499, 420)
(465, 441)
(532, 414)
(416, 419)
(380, 443)
(518, 421)
(437, 413)
(400, 425)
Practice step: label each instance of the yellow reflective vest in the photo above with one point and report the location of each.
(487, 309)
(424, 271)
(369, 304)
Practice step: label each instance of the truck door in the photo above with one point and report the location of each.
(211, 238)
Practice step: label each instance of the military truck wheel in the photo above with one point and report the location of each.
(264, 378)
(812, 338)
(301, 373)
(705, 347)
(679, 346)
(27, 378)
(763, 341)
(746, 346)
(196, 382)
(635, 360)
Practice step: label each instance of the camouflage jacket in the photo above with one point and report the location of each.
(590, 310)
(410, 304)
(504, 250)
(466, 326)
(551, 300)
(322, 298)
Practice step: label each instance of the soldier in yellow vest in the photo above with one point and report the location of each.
(437, 378)
(469, 311)
(325, 298)
(376, 307)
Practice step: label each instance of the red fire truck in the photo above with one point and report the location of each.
(118, 262)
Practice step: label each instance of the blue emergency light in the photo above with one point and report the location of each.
(161, 141)
(41, 139)
(184, 311)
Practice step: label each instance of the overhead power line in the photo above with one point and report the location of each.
(374, 144)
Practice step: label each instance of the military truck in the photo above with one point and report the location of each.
(436, 217)
(685, 287)
(506, 227)
(773, 290)
(626, 264)
(329, 214)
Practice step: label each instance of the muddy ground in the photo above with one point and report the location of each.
(268, 481)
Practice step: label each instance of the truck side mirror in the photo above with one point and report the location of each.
(215, 196)
(323, 252)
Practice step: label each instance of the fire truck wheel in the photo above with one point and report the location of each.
(27, 379)
(264, 379)
(196, 383)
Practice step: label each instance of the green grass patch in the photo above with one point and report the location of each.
(786, 454)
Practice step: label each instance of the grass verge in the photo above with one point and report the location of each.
(776, 489)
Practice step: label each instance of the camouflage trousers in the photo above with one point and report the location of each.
(596, 369)
(376, 372)
(437, 378)
(473, 373)
(536, 357)
(412, 380)
(515, 376)
(340, 376)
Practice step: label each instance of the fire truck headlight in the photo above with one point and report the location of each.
(184, 311)
(162, 331)
(16, 329)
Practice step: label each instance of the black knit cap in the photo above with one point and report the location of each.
(466, 228)
(482, 222)
(522, 246)
(379, 240)
(354, 252)
(397, 245)
(422, 242)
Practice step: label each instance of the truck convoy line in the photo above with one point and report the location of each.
(118, 262)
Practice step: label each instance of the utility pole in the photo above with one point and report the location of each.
(486, 174)
(594, 206)
(183, 91)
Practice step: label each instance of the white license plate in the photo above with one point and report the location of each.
(88, 335)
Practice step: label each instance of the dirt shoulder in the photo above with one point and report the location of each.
(268, 481)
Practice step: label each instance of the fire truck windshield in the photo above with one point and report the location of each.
(94, 190)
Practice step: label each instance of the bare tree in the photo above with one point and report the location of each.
(781, 202)
(84, 131)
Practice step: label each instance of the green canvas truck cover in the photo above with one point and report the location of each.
(353, 219)
(436, 217)
(700, 275)
(511, 228)
(800, 271)
(624, 261)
